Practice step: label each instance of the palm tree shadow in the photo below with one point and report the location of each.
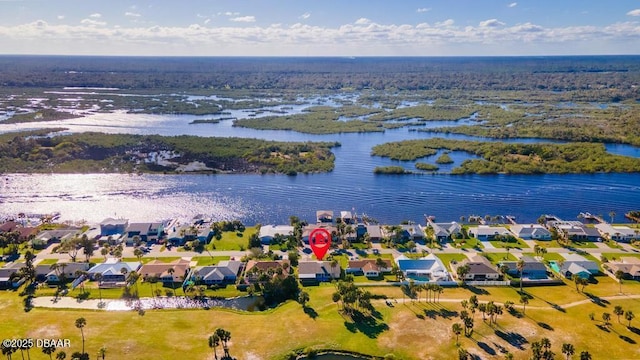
(514, 339)
(366, 324)
(627, 339)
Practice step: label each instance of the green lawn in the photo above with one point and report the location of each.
(520, 244)
(233, 241)
(208, 260)
(495, 258)
(48, 261)
(146, 259)
(446, 258)
(583, 244)
(547, 256)
(471, 243)
(612, 256)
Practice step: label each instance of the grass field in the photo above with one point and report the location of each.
(446, 258)
(495, 258)
(209, 260)
(517, 245)
(47, 261)
(233, 241)
(402, 329)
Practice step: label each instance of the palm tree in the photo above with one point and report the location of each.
(619, 276)
(520, 267)
(102, 352)
(98, 278)
(524, 300)
(612, 214)
(80, 324)
(585, 355)
(618, 311)
(224, 336)
(61, 355)
(303, 298)
(629, 316)
(457, 329)
(214, 342)
(49, 350)
(171, 271)
(568, 350)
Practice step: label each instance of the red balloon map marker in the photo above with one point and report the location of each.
(320, 241)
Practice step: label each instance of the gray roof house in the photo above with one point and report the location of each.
(480, 269)
(316, 271)
(531, 232)
(110, 226)
(444, 231)
(428, 268)
(50, 236)
(485, 232)
(49, 274)
(113, 270)
(226, 272)
(533, 269)
(144, 231)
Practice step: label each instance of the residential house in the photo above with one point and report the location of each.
(445, 231)
(166, 272)
(428, 268)
(8, 226)
(255, 268)
(532, 269)
(369, 267)
(480, 269)
(618, 233)
(485, 232)
(53, 273)
(375, 232)
(630, 267)
(576, 231)
(324, 216)
(317, 271)
(412, 232)
(306, 231)
(531, 232)
(226, 272)
(110, 226)
(145, 232)
(9, 278)
(47, 237)
(269, 232)
(575, 264)
(113, 270)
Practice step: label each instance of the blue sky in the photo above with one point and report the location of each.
(319, 28)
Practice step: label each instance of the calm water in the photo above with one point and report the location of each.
(273, 198)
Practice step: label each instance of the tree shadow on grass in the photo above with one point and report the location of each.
(486, 348)
(311, 312)
(514, 339)
(634, 330)
(603, 327)
(627, 339)
(477, 290)
(545, 326)
(597, 300)
(366, 324)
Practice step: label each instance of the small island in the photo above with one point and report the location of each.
(43, 151)
(444, 159)
(503, 158)
(426, 167)
(390, 170)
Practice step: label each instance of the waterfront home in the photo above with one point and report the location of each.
(47, 237)
(428, 268)
(412, 232)
(618, 233)
(166, 272)
(318, 271)
(374, 231)
(306, 231)
(226, 272)
(268, 233)
(530, 232)
(8, 226)
(480, 269)
(485, 232)
(146, 232)
(369, 267)
(54, 272)
(575, 230)
(324, 216)
(255, 269)
(532, 269)
(113, 270)
(445, 231)
(630, 267)
(110, 226)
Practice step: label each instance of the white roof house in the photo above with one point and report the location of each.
(531, 232)
(617, 233)
(485, 232)
(269, 232)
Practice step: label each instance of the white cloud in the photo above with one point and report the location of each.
(305, 16)
(131, 14)
(229, 13)
(423, 10)
(60, 17)
(491, 23)
(243, 19)
(207, 21)
(363, 21)
(513, 4)
(95, 16)
(446, 23)
(92, 22)
(635, 12)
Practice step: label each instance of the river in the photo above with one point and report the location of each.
(273, 198)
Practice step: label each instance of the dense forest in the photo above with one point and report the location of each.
(613, 77)
(515, 158)
(38, 151)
